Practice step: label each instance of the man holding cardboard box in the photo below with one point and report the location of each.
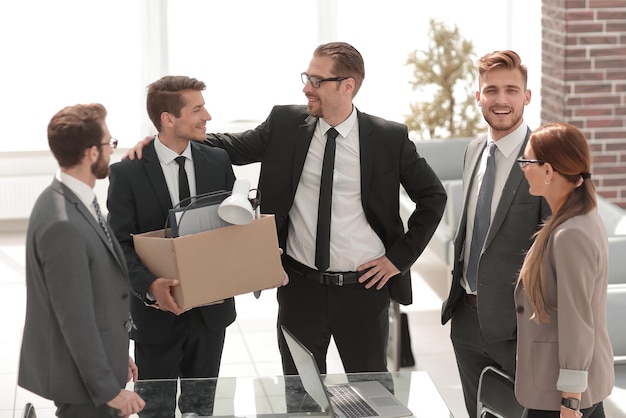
(170, 343)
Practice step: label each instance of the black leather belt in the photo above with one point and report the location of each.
(328, 278)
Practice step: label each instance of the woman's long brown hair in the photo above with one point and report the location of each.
(567, 151)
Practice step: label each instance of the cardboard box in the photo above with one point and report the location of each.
(217, 264)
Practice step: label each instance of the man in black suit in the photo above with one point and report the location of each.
(484, 323)
(346, 297)
(170, 343)
(75, 344)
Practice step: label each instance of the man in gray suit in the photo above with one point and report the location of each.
(75, 343)
(480, 304)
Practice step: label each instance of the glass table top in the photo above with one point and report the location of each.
(278, 396)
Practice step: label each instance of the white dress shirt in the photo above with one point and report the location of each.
(80, 189)
(167, 158)
(507, 151)
(352, 239)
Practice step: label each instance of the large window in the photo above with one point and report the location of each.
(62, 52)
(249, 52)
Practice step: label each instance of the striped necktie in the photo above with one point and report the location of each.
(101, 220)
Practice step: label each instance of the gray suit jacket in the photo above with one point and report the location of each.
(517, 218)
(573, 350)
(75, 343)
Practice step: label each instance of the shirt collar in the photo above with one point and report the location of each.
(510, 143)
(80, 189)
(344, 127)
(166, 155)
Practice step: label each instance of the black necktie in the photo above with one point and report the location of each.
(322, 244)
(101, 220)
(482, 219)
(183, 183)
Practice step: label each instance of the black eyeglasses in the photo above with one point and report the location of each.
(523, 162)
(316, 81)
(112, 142)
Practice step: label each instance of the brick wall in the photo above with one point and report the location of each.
(584, 81)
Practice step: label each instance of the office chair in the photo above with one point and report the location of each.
(616, 310)
(29, 411)
(496, 395)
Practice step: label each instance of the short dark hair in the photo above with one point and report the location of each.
(502, 59)
(165, 95)
(348, 62)
(73, 129)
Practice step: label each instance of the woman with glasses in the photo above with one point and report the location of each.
(564, 356)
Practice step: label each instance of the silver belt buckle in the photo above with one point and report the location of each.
(340, 277)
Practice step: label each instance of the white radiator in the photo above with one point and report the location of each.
(18, 194)
(24, 175)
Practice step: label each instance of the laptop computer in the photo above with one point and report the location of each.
(364, 398)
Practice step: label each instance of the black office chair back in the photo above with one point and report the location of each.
(496, 395)
(29, 411)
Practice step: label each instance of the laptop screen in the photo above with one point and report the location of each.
(307, 369)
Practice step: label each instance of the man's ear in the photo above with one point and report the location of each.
(92, 153)
(349, 85)
(167, 119)
(527, 95)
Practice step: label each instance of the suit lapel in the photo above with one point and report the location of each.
(156, 178)
(366, 151)
(474, 152)
(303, 141)
(89, 218)
(508, 194)
(470, 165)
(201, 170)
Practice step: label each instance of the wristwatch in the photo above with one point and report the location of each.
(571, 403)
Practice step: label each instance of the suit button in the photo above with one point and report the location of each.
(520, 309)
(128, 325)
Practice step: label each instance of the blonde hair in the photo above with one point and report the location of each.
(502, 60)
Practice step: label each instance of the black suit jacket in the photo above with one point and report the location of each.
(517, 218)
(138, 201)
(388, 160)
